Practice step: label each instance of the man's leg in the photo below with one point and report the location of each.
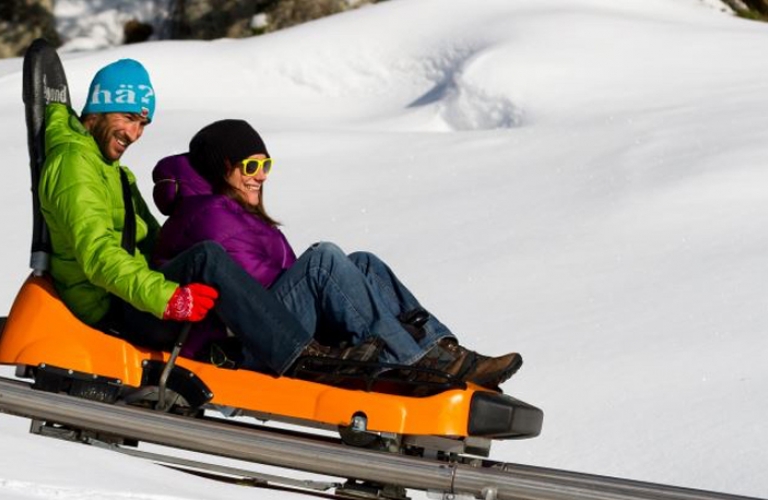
(270, 333)
(325, 284)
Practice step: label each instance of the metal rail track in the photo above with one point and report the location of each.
(488, 480)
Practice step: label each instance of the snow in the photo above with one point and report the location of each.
(578, 180)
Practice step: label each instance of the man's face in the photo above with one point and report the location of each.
(114, 132)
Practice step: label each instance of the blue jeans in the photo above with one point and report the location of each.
(356, 293)
(270, 333)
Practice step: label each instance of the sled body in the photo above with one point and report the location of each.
(40, 332)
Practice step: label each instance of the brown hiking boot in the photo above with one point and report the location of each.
(449, 362)
(478, 369)
(492, 372)
(454, 361)
(437, 370)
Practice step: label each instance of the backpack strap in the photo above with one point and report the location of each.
(129, 227)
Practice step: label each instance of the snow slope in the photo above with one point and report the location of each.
(581, 181)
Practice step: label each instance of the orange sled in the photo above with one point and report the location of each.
(44, 339)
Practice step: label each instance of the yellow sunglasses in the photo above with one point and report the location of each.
(252, 166)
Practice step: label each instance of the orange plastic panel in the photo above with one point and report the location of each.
(40, 329)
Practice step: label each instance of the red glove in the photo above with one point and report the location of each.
(190, 302)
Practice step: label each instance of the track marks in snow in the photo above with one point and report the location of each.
(460, 100)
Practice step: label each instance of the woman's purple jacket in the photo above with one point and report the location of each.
(195, 214)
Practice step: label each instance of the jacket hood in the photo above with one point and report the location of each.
(175, 179)
(63, 128)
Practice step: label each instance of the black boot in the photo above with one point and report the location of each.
(365, 351)
(338, 366)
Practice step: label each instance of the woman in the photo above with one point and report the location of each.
(216, 192)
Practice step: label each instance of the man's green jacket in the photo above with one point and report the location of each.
(81, 199)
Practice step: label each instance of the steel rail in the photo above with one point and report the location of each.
(492, 481)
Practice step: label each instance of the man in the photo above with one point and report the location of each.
(100, 243)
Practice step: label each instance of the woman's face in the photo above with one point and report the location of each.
(247, 187)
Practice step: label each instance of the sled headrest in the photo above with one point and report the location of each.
(175, 179)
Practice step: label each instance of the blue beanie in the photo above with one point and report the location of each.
(121, 87)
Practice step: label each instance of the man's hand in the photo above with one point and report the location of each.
(190, 302)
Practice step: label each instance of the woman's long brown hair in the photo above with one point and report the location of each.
(258, 210)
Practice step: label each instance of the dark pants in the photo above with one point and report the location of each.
(271, 335)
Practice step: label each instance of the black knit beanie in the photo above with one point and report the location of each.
(232, 140)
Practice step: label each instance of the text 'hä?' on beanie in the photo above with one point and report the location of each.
(222, 141)
(121, 87)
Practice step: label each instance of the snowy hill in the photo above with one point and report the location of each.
(579, 180)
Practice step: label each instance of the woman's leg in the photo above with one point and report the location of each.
(397, 296)
(324, 284)
(448, 356)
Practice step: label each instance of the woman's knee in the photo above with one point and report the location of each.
(363, 259)
(327, 255)
(326, 249)
(368, 261)
(325, 246)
